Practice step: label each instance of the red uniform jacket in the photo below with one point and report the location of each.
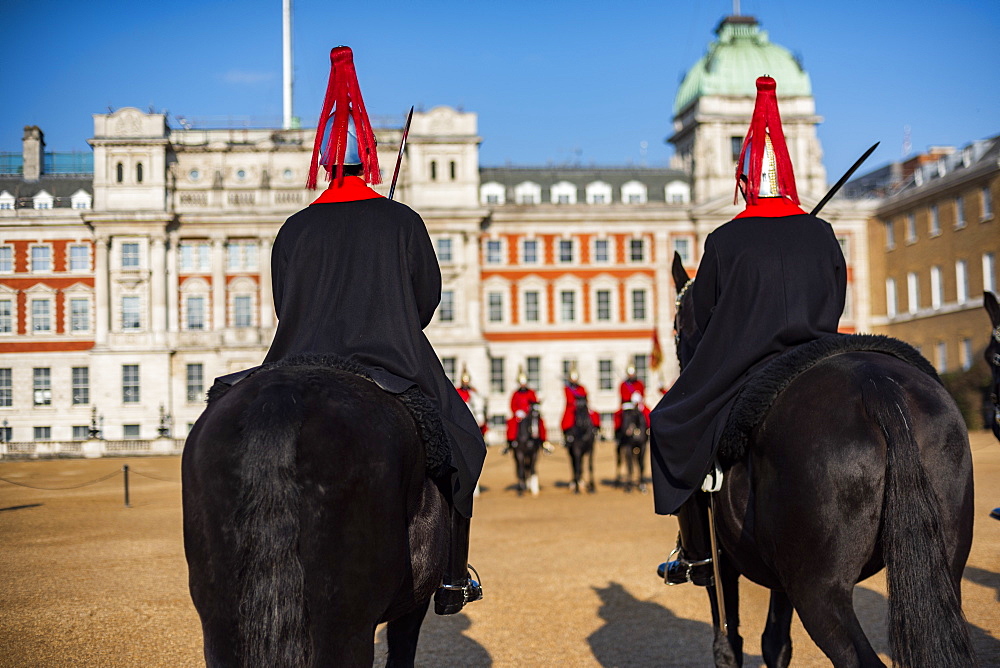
(626, 390)
(521, 402)
(574, 392)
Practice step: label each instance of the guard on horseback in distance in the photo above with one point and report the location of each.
(576, 395)
(521, 402)
(474, 400)
(355, 274)
(632, 393)
(772, 278)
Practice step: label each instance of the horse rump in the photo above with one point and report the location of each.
(926, 624)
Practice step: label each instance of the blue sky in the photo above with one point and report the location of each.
(552, 81)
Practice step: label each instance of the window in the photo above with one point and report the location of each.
(79, 258)
(605, 375)
(453, 170)
(961, 281)
(641, 364)
(195, 382)
(912, 293)
(845, 248)
(736, 147)
(563, 192)
(138, 173)
(598, 192)
(41, 385)
(533, 370)
(41, 318)
(937, 289)
(120, 172)
(527, 193)
(79, 315)
(935, 226)
(603, 305)
(241, 256)
(966, 354)
(494, 251)
(443, 247)
(683, 248)
(446, 310)
(567, 366)
(565, 250)
(989, 272)
(492, 198)
(941, 357)
(890, 297)
(562, 199)
(81, 385)
(434, 170)
(6, 316)
(495, 306)
(531, 310)
(195, 256)
(6, 389)
(43, 433)
(890, 235)
(496, 374)
(450, 365)
(959, 212)
(597, 198)
(529, 251)
(639, 304)
(81, 432)
(6, 259)
(986, 202)
(567, 306)
(130, 312)
(130, 431)
(242, 311)
(41, 258)
(195, 313)
(634, 192)
(130, 383)
(911, 228)
(492, 193)
(636, 250)
(6, 434)
(602, 252)
(635, 198)
(130, 256)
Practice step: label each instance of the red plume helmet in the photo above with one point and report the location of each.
(765, 133)
(343, 100)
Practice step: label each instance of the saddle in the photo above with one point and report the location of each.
(763, 387)
(437, 441)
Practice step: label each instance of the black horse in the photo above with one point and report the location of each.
(580, 444)
(309, 518)
(993, 358)
(633, 437)
(526, 447)
(862, 462)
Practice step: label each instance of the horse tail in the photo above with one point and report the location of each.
(926, 625)
(271, 578)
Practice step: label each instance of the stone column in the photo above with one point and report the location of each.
(173, 287)
(102, 291)
(218, 284)
(158, 287)
(266, 295)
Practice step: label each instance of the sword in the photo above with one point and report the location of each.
(843, 179)
(720, 597)
(399, 158)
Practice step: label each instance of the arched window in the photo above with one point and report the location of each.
(454, 169)
(138, 173)
(120, 172)
(434, 170)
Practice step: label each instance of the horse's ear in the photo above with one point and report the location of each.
(680, 274)
(990, 302)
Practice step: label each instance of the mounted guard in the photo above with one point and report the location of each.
(772, 278)
(355, 274)
(521, 402)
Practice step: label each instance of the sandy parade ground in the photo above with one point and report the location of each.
(569, 579)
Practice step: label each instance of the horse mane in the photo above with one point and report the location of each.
(437, 441)
(759, 392)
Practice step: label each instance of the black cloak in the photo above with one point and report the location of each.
(360, 279)
(764, 285)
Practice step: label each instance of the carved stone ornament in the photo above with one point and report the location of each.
(128, 123)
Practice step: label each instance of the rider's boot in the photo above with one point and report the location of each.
(693, 562)
(457, 587)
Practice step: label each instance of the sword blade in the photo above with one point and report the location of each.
(720, 597)
(399, 157)
(843, 179)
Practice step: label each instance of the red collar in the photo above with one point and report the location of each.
(350, 189)
(770, 207)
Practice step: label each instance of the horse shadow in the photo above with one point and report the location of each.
(984, 578)
(644, 633)
(442, 643)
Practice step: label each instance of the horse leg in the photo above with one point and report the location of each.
(827, 614)
(640, 459)
(776, 642)
(590, 466)
(401, 637)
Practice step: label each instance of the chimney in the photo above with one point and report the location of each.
(33, 152)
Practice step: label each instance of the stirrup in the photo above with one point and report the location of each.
(693, 571)
(713, 481)
(451, 598)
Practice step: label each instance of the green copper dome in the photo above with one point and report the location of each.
(740, 54)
